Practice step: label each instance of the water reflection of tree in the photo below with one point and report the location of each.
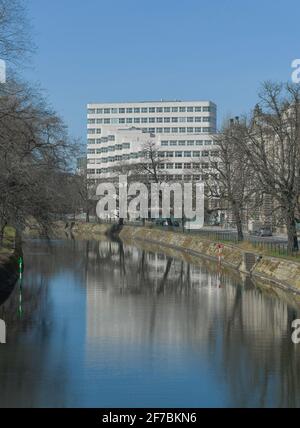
(27, 360)
(245, 332)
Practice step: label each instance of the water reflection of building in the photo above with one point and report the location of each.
(138, 298)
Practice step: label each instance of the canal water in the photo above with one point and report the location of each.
(110, 324)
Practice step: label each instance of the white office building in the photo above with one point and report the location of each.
(182, 131)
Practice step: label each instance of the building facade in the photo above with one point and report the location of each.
(182, 131)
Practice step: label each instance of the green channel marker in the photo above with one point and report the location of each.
(21, 264)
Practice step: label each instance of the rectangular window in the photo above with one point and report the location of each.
(173, 143)
(129, 110)
(151, 119)
(106, 121)
(167, 119)
(197, 109)
(190, 109)
(91, 111)
(159, 119)
(198, 129)
(187, 165)
(167, 109)
(190, 129)
(144, 109)
(107, 111)
(91, 121)
(159, 110)
(170, 165)
(144, 119)
(121, 110)
(170, 154)
(167, 130)
(174, 109)
(182, 143)
(198, 119)
(174, 119)
(182, 130)
(99, 111)
(206, 119)
(91, 131)
(174, 130)
(137, 120)
(114, 110)
(159, 130)
(91, 141)
(164, 143)
(207, 109)
(126, 145)
(152, 130)
(208, 142)
(99, 121)
(151, 109)
(129, 120)
(114, 120)
(121, 120)
(137, 110)
(91, 151)
(199, 143)
(182, 109)
(190, 142)
(178, 154)
(178, 165)
(182, 119)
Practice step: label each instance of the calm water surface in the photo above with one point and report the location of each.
(105, 324)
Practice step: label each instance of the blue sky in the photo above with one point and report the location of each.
(131, 50)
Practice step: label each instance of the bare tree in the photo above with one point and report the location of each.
(272, 146)
(227, 174)
(15, 41)
(35, 159)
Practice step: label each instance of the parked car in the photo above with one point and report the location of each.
(167, 222)
(265, 231)
(262, 232)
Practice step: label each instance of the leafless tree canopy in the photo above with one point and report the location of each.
(15, 40)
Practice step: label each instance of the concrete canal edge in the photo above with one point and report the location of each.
(278, 272)
(270, 271)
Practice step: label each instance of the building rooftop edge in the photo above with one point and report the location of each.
(151, 102)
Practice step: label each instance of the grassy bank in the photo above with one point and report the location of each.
(7, 245)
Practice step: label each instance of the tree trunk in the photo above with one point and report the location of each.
(293, 244)
(238, 221)
(87, 216)
(2, 229)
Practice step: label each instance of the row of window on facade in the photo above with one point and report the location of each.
(136, 155)
(164, 143)
(184, 130)
(172, 165)
(118, 121)
(130, 110)
(167, 178)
